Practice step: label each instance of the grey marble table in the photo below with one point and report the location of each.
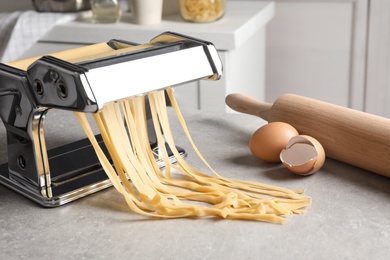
(349, 217)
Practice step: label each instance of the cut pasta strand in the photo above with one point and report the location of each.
(162, 193)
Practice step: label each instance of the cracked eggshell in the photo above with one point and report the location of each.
(303, 155)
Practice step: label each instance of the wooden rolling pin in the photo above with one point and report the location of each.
(354, 137)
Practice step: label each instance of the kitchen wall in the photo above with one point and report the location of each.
(8, 6)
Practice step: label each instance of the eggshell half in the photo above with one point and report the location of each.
(303, 155)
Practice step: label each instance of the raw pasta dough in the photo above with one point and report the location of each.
(157, 192)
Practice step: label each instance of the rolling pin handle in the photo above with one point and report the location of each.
(248, 105)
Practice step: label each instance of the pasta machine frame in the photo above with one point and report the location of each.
(58, 176)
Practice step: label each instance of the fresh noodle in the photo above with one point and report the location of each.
(156, 192)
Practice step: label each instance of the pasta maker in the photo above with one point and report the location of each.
(84, 84)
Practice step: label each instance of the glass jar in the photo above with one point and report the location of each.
(106, 11)
(202, 10)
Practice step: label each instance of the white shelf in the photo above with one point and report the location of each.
(241, 21)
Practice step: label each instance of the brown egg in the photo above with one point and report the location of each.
(303, 155)
(269, 140)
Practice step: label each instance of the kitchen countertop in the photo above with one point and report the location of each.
(349, 217)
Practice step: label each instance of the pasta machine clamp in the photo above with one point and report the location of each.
(84, 82)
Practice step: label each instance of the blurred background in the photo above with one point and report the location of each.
(337, 51)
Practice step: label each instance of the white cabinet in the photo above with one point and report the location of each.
(337, 51)
(318, 49)
(378, 63)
